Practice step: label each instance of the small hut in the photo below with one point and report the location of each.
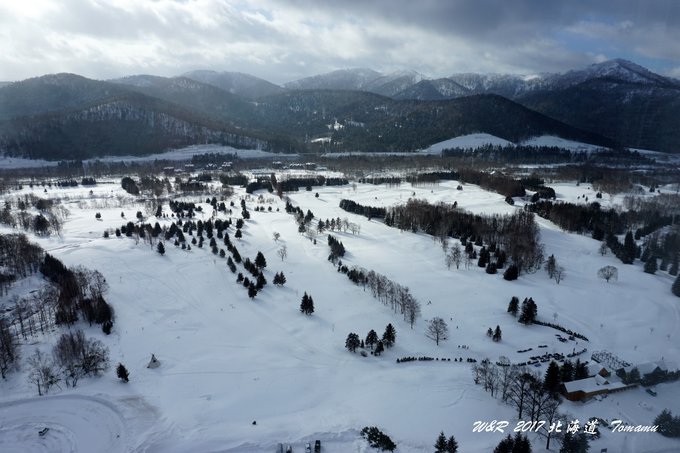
(154, 362)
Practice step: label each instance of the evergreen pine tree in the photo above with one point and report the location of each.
(632, 377)
(307, 304)
(489, 332)
(380, 348)
(451, 445)
(665, 422)
(389, 336)
(279, 279)
(505, 445)
(529, 311)
(551, 381)
(675, 289)
(261, 281)
(122, 373)
(352, 342)
(252, 290)
(511, 273)
(567, 371)
(497, 334)
(513, 306)
(650, 265)
(161, 248)
(260, 261)
(580, 370)
(304, 303)
(673, 270)
(440, 444)
(371, 338)
(629, 249)
(483, 257)
(575, 443)
(522, 444)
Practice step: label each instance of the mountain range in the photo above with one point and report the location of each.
(66, 116)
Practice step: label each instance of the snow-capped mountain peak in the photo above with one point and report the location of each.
(617, 69)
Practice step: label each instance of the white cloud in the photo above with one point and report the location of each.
(283, 40)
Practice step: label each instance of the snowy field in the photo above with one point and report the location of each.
(550, 140)
(228, 361)
(188, 152)
(468, 141)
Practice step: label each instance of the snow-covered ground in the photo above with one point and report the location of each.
(483, 139)
(188, 152)
(228, 361)
(468, 141)
(8, 162)
(550, 140)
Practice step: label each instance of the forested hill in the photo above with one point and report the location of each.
(66, 116)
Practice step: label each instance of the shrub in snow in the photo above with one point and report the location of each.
(378, 439)
(122, 373)
(511, 273)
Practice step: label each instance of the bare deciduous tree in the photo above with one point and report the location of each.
(559, 274)
(456, 255)
(78, 356)
(411, 309)
(42, 372)
(603, 248)
(608, 273)
(282, 252)
(437, 330)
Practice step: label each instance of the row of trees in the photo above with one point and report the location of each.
(337, 249)
(444, 445)
(389, 338)
(368, 211)
(390, 293)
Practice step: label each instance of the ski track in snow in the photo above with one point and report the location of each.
(77, 424)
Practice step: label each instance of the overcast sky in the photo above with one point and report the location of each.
(285, 40)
